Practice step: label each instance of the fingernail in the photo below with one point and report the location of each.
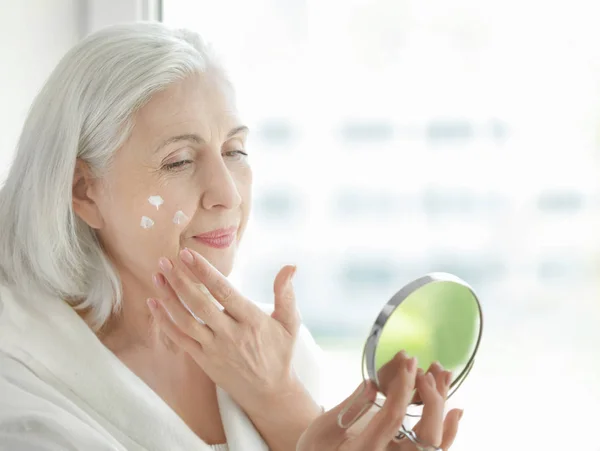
(437, 365)
(291, 276)
(159, 280)
(152, 304)
(411, 364)
(420, 372)
(187, 256)
(165, 264)
(358, 403)
(430, 379)
(460, 415)
(448, 377)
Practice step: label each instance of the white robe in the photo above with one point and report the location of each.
(62, 389)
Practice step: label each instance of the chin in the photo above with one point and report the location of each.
(224, 267)
(222, 259)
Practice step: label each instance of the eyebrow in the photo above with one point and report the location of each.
(198, 139)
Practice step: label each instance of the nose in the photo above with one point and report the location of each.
(220, 189)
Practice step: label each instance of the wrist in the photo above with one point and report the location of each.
(282, 417)
(289, 399)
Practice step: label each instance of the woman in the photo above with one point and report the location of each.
(120, 219)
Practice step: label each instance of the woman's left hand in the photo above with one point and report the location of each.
(433, 429)
(357, 424)
(243, 350)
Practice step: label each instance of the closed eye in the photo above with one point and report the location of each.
(235, 154)
(177, 165)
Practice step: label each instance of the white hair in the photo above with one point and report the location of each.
(84, 111)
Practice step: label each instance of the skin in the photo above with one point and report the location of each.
(243, 350)
(211, 185)
(375, 429)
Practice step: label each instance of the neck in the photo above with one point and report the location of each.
(134, 338)
(132, 328)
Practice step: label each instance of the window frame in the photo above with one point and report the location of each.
(98, 14)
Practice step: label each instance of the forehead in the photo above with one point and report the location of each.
(200, 103)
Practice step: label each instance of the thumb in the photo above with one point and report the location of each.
(352, 408)
(325, 432)
(450, 428)
(285, 300)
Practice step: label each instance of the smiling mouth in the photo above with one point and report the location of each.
(219, 238)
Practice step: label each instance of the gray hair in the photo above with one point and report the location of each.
(84, 111)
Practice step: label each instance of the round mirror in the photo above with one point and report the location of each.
(437, 317)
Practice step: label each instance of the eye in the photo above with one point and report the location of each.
(235, 154)
(177, 165)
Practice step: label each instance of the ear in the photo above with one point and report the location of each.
(85, 188)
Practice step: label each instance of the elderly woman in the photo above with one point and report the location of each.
(120, 220)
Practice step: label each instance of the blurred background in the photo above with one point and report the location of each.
(391, 138)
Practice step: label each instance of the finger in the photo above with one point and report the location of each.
(416, 399)
(180, 288)
(325, 432)
(387, 422)
(430, 427)
(285, 300)
(439, 374)
(236, 305)
(351, 409)
(387, 374)
(451, 428)
(180, 315)
(173, 332)
(442, 378)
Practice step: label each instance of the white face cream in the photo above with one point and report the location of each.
(156, 201)
(180, 218)
(146, 222)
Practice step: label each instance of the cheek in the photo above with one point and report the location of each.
(146, 227)
(168, 212)
(243, 181)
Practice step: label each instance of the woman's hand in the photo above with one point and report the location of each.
(376, 430)
(243, 350)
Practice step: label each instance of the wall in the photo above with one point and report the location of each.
(34, 36)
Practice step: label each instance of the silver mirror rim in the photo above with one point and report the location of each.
(395, 301)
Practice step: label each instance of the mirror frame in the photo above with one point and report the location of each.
(389, 308)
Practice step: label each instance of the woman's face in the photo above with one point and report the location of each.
(182, 179)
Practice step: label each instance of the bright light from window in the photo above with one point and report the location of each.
(397, 137)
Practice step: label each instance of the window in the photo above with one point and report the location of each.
(278, 205)
(439, 130)
(279, 133)
(565, 202)
(364, 275)
(562, 268)
(356, 204)
(367, 132)
(410, 120)
(478, 270)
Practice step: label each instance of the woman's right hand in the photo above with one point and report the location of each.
(376, 430)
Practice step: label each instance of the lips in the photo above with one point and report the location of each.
(219, 238)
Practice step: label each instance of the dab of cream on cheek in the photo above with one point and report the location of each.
(180, 218)
(146, 222)
(156, 201)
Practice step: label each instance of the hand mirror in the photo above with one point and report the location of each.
(437, 317)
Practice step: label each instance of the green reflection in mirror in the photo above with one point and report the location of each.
(438, 321)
